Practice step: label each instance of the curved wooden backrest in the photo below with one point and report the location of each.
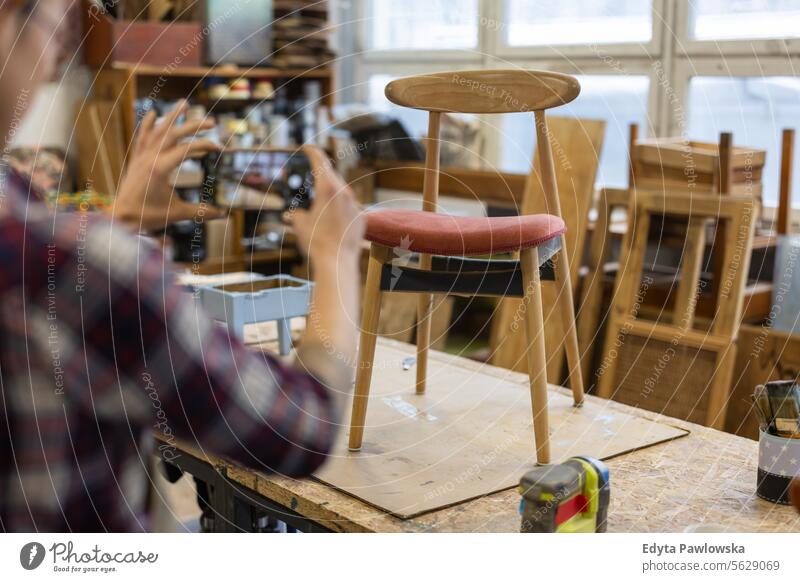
(487, 91)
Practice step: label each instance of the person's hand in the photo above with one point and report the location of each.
(145, 200)
(331, 233)
(333, 228)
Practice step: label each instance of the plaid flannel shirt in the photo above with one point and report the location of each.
(98, 349)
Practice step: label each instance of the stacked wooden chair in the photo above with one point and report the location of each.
(445, 243)
(670, 337)
(677, 365)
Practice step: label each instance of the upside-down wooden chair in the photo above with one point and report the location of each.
(610, 200)
(676, 365)
(592, 315)
(444, 242)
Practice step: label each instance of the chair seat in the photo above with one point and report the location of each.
(442, 234)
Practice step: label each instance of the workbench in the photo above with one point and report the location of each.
(708, 477)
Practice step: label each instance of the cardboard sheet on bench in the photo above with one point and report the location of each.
(470, 435)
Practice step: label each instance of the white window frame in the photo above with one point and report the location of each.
(687, 69)
(689, 47)
(678, 57)
(362, 13)
(499, 47)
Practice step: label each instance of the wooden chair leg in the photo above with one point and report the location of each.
(592, 290)
(537, 357)
(565, 300)
(623, 301)
(566, 308)
(378, 256)
(430, 198)
(424, 309)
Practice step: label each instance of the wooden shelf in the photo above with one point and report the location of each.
(227, 105)
(227, 102)
(229, 72)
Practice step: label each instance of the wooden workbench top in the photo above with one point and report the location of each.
(706, 477)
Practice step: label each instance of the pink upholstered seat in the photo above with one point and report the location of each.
(441, 234)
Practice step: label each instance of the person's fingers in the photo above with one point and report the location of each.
(196, 148)
(188, 129)
(171, 119)
(301, 224)
(342, 197)
(295, 217)
(317, 158)
(328, 184)
(322, 172)
(145, 129)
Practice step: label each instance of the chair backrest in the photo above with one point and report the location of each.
(489, 91)
(484, 92)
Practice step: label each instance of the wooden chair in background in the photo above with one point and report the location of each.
(674, 366)
(443, 241)
(577, 144)
(720, 169)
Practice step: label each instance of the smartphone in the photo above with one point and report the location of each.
(284, 172)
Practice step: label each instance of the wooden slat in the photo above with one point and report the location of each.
(672, 333)
(725, 153)
(490, 187)
(592, 287)
(227, 72)
(691, 266)
(686, 203)
(633, 136)
(738, 249)
(623, 303)
(783, 223)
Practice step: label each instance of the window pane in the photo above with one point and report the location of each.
(556, 22)
(620, 101)
(756, 110)
(723, 19)
(422, 24)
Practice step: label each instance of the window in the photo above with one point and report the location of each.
(756, 110)
(619, 100)
(422, 24)
(743, 19)
(675, 67)
(555, 22)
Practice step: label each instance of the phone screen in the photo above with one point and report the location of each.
(286, 173)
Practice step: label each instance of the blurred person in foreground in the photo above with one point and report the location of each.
(94, 333)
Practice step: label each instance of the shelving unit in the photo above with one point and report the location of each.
(300, 33)
(121, 84)
(124, 83)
